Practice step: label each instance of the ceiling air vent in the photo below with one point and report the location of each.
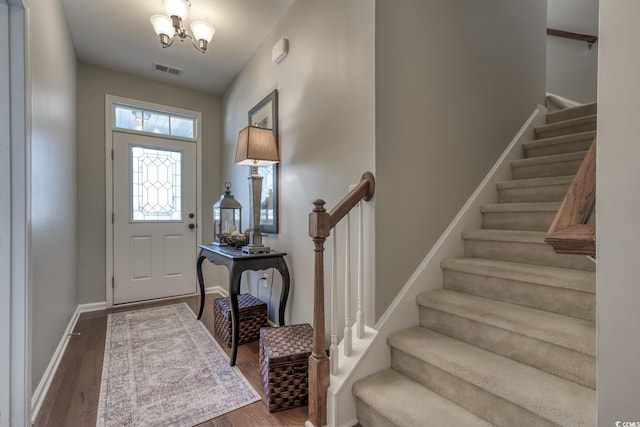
(166, 69)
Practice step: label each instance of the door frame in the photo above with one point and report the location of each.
(15, 251)
(109, 129)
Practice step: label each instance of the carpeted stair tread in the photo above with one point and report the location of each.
(584, 281)
(535, 182)
(514, 334)
(559, 290)
(571, 143)
(564, 331)
(548, 189)
(527, 247)
(406, 403)
(520, 207)
(556, 290)
(565, 127)
(572, 112)
(501, 235)
(544, 160)
(536, 216)
(547, 166)
(553, 398)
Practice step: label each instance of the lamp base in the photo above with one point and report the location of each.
(256, 249)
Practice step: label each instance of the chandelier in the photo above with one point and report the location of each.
(170, 27)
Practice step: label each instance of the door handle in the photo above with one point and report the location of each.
(192, 226)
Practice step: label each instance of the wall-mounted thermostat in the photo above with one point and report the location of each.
(280, 50)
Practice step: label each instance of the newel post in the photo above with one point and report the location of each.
(319, 230)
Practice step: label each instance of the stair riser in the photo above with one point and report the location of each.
(567, 302)
(389, 398)
(569, 167)
(548, 193)
(553, 149)
(472, 398)
(528, 221)
(525, 253)
(565, 130)
(572, 113)
(554, 359)
(369, 417)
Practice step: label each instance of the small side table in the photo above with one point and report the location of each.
(237, 262)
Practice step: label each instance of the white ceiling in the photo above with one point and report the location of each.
(117, 34)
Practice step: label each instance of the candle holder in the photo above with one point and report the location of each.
(227, 216)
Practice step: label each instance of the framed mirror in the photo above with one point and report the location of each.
(265, 115)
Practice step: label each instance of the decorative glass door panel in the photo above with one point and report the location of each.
(156, 184)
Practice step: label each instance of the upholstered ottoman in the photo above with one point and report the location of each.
(284, 357)
(252, 315)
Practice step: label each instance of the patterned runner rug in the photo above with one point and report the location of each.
(163, 368)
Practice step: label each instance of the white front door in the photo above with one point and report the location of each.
(154, 225)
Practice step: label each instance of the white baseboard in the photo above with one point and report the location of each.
(43, 387)
(216, 290)
(94, 306)
(566, 102)
(41, 391)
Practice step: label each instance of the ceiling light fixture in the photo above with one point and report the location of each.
(168, 27)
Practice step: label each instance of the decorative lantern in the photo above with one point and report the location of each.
(227, 214)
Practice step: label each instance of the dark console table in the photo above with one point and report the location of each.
(237, 262)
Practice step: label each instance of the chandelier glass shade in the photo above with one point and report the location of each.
(179, 8)
(171, 26)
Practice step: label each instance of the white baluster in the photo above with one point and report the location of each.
(333, 349)
(347, 289)
(360, 312)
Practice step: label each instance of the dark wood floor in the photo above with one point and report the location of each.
(72, 399)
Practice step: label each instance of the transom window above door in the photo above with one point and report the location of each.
(151, 121)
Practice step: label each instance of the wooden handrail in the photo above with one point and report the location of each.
(569, 233)
(320, 224)
(574, 36)
(363, 191)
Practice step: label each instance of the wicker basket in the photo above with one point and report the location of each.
(284, 359)
(252, 315)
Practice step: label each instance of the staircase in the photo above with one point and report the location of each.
(510, 340)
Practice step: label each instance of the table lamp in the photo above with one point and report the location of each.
(256, 147)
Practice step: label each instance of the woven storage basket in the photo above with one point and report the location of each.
(252, 315)
(284, 357)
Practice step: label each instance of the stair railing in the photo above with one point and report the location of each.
(321, 223)
(590, 39)
(570, 233)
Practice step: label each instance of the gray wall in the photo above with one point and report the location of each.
(93, 84)
(454, 81)
(326, 96)
(572, 68)
(618, 206)
(53, 181)
(5, 218)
